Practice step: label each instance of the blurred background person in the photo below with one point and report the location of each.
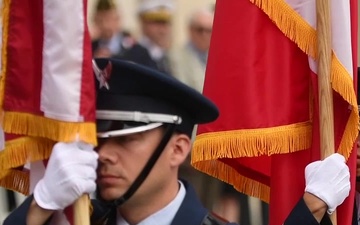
(190, 59)
(107, 35)
(155, 18)
(189, 62)
(110, 38)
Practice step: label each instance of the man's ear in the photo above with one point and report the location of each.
(181, 147)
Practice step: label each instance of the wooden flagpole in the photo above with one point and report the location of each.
(81, 211)
(327, 145)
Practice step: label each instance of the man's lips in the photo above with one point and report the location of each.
(107, 179)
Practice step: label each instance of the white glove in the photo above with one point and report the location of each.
(70, 173)
(329, 180)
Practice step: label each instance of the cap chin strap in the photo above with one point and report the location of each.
(169, 130)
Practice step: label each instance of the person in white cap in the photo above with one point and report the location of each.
(155, 18)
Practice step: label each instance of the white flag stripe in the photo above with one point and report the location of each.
(62, 59)
(340, 28)
(341, 33)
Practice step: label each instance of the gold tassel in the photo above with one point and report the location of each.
(22, 150)
(16, 180)
(342, 83)
(252, 142)
(290, 23)
(229, 175)
(39, 126)
(210, 147)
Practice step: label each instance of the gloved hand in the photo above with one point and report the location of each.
(329, 180)
(70, 173)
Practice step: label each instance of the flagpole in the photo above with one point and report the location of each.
(327, 145)
(81, 209)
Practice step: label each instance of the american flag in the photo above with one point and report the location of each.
(47, 89)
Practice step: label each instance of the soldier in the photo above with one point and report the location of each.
(144, 122)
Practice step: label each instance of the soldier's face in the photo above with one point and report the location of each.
(121, 160)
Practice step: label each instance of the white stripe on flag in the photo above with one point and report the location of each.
(340, 28)
(64, 25)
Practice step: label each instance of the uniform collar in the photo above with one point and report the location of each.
(164, 216)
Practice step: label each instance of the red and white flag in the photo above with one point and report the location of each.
(47, 90)
(262, 74)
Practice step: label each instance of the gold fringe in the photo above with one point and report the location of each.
(291, 24)
(229, 175)
(209, 147)
(3, 173)
(39, 126)
(342, 83)
(16, 180)
(300, 32)
(22, 150)
(5, 34)
(252, 142)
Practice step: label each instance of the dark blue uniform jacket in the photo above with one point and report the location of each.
(191, 211)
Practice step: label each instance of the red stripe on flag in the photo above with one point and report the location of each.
(87, 82)
(24, 65)
(69, 213)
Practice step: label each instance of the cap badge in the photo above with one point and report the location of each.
(102, 75)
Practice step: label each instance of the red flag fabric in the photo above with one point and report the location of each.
(47, 89)
(262, 74)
